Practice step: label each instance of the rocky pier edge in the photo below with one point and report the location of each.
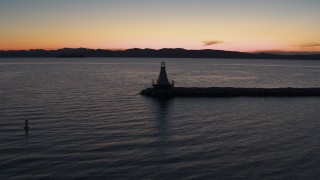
(230, 92)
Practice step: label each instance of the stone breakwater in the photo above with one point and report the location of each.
(230, 92)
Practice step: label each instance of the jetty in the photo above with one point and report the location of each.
(163, 88)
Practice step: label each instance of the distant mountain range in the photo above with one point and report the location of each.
(151, 53)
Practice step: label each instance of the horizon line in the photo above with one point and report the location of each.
(120, 49)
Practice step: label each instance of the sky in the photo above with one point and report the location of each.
(236, 25)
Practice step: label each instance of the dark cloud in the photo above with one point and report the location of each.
(313, 44)
(210, 43)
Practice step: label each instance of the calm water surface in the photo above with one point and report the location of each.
(88, 121)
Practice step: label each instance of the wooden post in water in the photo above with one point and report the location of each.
(26, 125)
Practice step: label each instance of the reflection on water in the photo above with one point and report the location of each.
(162, 109)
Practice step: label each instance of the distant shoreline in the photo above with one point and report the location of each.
(149, 53)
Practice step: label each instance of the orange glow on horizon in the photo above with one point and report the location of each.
(239, 49)
(264, 25)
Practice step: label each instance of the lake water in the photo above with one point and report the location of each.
(88, 121)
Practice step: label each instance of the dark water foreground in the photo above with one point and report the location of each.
(230, 92)
(87, 121)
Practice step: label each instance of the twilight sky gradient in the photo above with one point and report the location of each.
(240, 25)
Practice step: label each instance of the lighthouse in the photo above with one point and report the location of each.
(163, 82)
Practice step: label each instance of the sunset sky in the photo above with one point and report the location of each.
(239, 25)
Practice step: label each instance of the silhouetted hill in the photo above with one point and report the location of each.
(152, 53)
